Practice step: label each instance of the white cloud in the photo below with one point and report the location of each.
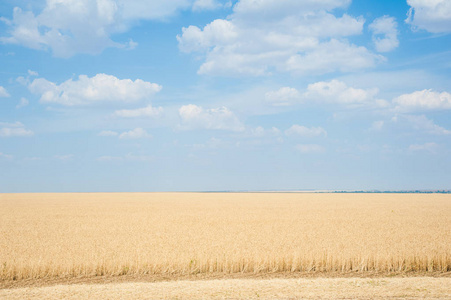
(137, 133)
(336, 91)
(3, 92)
(219, 32)
(259, 131)
(424, 124)
(147, 111)
(14, 129)
(332, 56)
(310, 148)
(83, 26)
(196, 117)
(32, 73)
(283, 96)
(429, 147)
(261, 37)
(387, 27)
(23, 81)
(100, 88)
(297, 130)
(431, 15)
(23, 102)
(107, 133)
(423, 100)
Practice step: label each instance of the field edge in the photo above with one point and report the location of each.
(111, 279)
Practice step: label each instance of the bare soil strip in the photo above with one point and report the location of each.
(47, 282)
(278, 288)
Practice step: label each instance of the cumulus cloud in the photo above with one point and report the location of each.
(217, 32)
(297, 130)
(283, 96)
(97, 89)
(3, 92)
(431, 15)
(310, 148)
(196, 117)
(386, 27)
(137, 133)
(258, 38)
(22, 103)
(108, 133)
(423, 100)
(336, 91)
(83, 26)
(14, 129)
(147, 111)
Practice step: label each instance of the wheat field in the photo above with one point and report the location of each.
(180, 234)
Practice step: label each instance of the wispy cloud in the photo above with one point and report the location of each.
(16, 129)
(197, 117)
(147, 111)
(302, 131)
(428, 147)
(137, 133)
(4, 93)
(22, 103)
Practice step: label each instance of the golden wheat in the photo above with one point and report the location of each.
(84, 235)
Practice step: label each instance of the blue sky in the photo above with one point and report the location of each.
(205, 95)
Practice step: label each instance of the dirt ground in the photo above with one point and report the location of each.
(275, 288)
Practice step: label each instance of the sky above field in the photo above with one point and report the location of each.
(211, 95)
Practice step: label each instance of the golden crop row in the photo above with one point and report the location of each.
(174, 234)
